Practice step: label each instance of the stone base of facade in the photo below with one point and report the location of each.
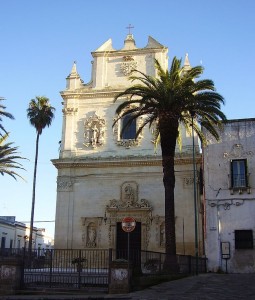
(10, 275)
(120, 274)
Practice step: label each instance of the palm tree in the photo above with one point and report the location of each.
(167, 100)
(40, 114)
(8, 156)
(4, 114)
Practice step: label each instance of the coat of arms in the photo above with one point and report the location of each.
(128, 65)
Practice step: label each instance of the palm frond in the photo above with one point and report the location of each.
(4, 113)
(8, 158)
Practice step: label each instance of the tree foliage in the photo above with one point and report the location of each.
(3, 113)
(8, 158)
(164, 102)
(40, 114)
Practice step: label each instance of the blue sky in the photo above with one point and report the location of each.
(39, 40)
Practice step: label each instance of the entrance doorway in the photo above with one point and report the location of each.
(134, 244)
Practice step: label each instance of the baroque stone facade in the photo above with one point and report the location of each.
(103, 177)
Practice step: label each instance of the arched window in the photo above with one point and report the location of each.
(129, 131)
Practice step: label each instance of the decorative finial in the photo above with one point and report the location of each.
(186, 61)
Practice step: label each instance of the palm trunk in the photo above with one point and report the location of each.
(168, 136)
(33, 198)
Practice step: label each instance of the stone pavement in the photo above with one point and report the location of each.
(202, 287)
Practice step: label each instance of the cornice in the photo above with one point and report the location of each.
(118, 162)
(137, 51)
(79, 94)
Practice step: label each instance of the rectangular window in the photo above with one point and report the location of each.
(243, 239)
(3, 240)
(129, 128)
(239, 173)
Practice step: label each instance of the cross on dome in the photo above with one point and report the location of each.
(129, 28)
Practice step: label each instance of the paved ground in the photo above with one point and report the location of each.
(202, 287)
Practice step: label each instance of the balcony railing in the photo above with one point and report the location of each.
(239, 182)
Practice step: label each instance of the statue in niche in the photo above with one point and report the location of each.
(162, 234)
(94, 131)
(94, 136)
(129, 193)
(91, 235)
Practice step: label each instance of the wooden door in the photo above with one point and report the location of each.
(134, 244)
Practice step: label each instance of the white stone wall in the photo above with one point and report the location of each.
(228, 210)
(18, 233)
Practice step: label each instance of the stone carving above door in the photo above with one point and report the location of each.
(129, 198)
(129, 205)
(94, 129)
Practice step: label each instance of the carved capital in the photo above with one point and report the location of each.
(64, 184)
(69, 111)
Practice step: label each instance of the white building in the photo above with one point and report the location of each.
(14, 235)
(229, 179)
(102, 177)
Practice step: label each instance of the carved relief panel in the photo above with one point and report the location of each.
(129, 205)
(237, 151)
(128, 65)
(64, 184)
(162, 235)
(94, 130)
(70, 111)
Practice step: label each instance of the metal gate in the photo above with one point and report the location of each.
(72, 269)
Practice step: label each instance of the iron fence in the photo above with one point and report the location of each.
(83, 268)
(151, 262)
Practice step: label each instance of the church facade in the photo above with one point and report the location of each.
(103, 177)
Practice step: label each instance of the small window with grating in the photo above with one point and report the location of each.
(243, 239)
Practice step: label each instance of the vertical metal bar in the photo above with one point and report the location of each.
(23, 269)
(51, 250)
